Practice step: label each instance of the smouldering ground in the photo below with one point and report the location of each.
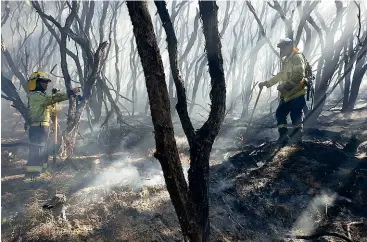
(257, 194)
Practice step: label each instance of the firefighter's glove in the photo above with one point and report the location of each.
(79, 98)
(284, 87)
(308, 83)
(76, 89)
(53, 116)
(262, 84)
(280, 88)
(73, 91)
(47, 206)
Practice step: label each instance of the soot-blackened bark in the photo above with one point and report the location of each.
(348, 49)
(11, 94)
(181, 106)
(201, 147)
(92, 65)
(13, 67)
(191, 205)
(327, 65)
(166, 149)
(359, 73)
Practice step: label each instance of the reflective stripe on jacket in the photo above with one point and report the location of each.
(40, 107)
(292, 74)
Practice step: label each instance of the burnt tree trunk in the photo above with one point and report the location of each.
(361, 53)
(166, 148)
(13, 67)
(199, 70)
(327, 65)
(348, 53)
(75, 112)
(95, 103)
(191, 204)
(262, 39)
(201, 141)
(92, 65)
(11, 94)
(359, 73)
(114, 106)
(202, 144)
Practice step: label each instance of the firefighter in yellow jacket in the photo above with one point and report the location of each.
(292, 90)
(39, 110)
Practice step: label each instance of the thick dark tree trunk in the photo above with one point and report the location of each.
(202, 144)
(201, 141)
(191, 205)
(166, 149)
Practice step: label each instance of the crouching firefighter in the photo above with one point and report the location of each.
(292, 89)
(40, 106)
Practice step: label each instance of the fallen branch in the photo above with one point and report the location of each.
(319, 234)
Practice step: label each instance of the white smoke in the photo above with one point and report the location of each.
(125, 174)
(319, 205)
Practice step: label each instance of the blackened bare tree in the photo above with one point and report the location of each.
(191, 202)
(11, 94)
(93, 67)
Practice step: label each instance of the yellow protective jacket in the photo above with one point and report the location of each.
(40, 106)
(291, 75)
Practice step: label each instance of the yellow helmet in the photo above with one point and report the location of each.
(32, 80)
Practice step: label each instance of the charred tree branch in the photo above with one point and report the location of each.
(166, 148)
(261, 28)
(181, 105)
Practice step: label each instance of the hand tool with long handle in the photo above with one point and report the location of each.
(252, 114)
(55, 137)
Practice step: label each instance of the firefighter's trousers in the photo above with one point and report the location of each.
(295, 108)
(38, 153)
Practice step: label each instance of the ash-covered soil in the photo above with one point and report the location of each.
(298, 191)
(259, 192)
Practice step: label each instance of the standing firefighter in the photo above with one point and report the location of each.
(40, 106)
(292, 88)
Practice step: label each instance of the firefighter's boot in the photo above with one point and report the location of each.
(283, 136)
(296, 136)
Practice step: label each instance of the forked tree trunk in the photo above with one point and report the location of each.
(166, 149)
(69, 136)
(191, 204)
